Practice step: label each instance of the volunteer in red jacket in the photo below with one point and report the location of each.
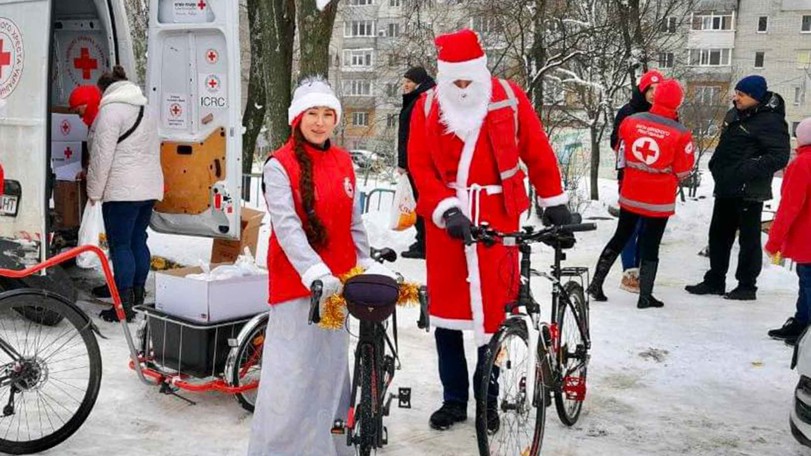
(788, 235)
(317, 234)
(658, 153)
(466, 140)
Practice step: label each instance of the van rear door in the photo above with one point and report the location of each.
(193, 80)
(24, 70)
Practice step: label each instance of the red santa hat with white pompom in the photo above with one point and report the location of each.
(461, 57)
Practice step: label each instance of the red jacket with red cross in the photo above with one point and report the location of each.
(658, 153)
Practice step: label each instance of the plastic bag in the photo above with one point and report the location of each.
(244, 266)
(403, 212)
(91, 232)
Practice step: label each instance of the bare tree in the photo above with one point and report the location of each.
(277, 24)
(138, 16)
(315, 32)
(256, 103)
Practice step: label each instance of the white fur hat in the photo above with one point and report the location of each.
(313, 92)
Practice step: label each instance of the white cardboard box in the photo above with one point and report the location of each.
(66, 159)
(210, 302)
(68, 127)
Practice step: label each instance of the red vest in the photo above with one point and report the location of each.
(658, 152)
(334, 180)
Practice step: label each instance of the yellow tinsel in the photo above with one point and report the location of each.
(334, 313)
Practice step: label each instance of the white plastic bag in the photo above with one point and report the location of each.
(403, 213)
(91, 232)
(243, 267)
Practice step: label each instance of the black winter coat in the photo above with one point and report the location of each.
(409, 100)
(637, 104)
(754, 145)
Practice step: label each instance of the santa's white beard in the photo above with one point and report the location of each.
(463, 110)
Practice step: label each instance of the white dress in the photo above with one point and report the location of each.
(304, 384)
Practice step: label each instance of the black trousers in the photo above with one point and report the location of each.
(650, 236)
(453, 368)
(731, 215)
(420, 225)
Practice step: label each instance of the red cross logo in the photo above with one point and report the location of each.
(213, 83)
(176, 110)
(68, 153)
(65, 126)
(646, 150)
(5, 59)
(85, 63)
(212, 56)
(202, 5)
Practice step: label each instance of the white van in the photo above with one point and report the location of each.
(48, 47)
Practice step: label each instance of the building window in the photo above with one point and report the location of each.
(668, 25)
(665, 60)
(806, 26)
(394, 30)
(707, 95)
(759, 56)
(391, 89)
(799, 96)
(712, 22)
(485, 24)
(709, 57)
(360, 119)
(803, 59)
(358, 59)
(361, 2)
(395, 3)
(359, 28)
(763, 24)
(358, 88)
(391, 120)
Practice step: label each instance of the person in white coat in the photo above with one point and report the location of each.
(125, 176)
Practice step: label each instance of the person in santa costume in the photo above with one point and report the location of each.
(467, 138)
(658, 152)
(317, 233)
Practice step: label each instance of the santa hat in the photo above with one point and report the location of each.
(313, 92)
(649, 78)
(669, 95)
(461, 57)
(88, 95)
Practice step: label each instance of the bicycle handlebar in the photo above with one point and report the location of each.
(316, 288)
(488, 236)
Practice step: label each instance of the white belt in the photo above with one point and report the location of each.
(474, 197)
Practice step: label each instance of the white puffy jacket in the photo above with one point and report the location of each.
(131, 170)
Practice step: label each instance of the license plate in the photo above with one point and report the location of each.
(8, 205)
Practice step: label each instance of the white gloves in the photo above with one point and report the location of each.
(379, 269)
(330, 285)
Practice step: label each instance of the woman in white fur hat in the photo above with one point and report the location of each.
(317, 234)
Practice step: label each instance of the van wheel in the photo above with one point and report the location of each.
(56, 281)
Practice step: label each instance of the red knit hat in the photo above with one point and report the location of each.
(460, 56)
(89, 95)
(651, 77)
(669, 95)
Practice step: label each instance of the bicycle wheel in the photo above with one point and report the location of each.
(366, 407)
(248, 366)
(522, 418)
(572, 355)
(49, 375)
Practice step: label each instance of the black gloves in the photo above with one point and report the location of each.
(457, 225)
(557, 215)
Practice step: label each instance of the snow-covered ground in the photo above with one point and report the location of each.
(698, 377)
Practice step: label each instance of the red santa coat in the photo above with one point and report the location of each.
(792, 223)
(468, 287)
(658, 153)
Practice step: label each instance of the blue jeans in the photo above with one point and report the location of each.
(453, 368)
(630, 253)
(804, 300)
(125, 223)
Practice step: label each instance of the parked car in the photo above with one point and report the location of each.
(800, 416)
(362, 158)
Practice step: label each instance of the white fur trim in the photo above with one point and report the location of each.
(314, 100)
(448, 323)
(563, 198)
(314, 272)
(442, 207)
(471, 70)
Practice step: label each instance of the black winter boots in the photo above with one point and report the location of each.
(595, 289)
(789, 332)
(447, 415)
(647, 276)
(127, 301)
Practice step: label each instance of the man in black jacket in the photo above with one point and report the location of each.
(415, 82)
(754, 144)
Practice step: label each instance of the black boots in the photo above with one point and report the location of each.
(448, 414)
(706, 288)
(139, 293)
(607, 259)
(742, 293)
(127, 301)
(415, 251)
(789, 332)
(647, 276)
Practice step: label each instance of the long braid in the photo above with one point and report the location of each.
(313, 227)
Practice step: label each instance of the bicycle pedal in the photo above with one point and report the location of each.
(575, 388)
(404, 398)
(338, 428)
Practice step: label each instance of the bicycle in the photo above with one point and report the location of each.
(50, 371)
(376, 360)
(561, 347)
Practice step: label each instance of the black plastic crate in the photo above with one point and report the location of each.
(190, 348)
